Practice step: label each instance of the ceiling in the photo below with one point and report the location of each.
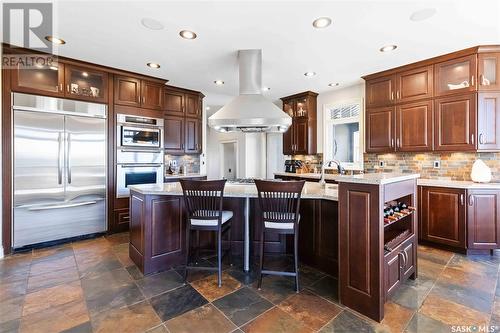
(111, 33)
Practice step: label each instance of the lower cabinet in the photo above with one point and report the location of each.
(442, 216)
(399, 264)
(483, 219)
(463, 219)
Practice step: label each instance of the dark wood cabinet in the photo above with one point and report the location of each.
(455, 123)
(139, 93)
(174, 102)
(174, 135)
(127, 91)
(488, 121)
(193, 105)
(399, 264)
(380, 91)
(152, 95)
(414, 84)
(455, 76)
(192, 132)
(86, 83)
(180, 102)
(488, 71)
(46, 80)
(379, 129)
(443, 216)
(414, 126)
(483, 219)
(300, 138)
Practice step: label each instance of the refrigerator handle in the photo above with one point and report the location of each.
(59, 158)
(68, 158)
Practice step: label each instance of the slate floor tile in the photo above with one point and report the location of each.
(396, 317)
(471, 297)
(210, 289)
(134, 318)
(413, 292)
(152, 285)
(243, 305)
(176, 302)
(276, 321)
(205, 319)
(326, 287)
(347, 322)
(276, 288)
(422, 323)
(310, 309)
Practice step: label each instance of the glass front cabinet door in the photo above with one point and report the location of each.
(301, 107)
(455, 76)
(87, 84)
(489, 71)
(39, 79)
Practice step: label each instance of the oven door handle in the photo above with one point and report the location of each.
(152, 151)
(131, 165)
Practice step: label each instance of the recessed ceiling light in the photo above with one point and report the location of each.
(423, 14)
(336, 84)
(266, 88)
(54, 68)
(322, 22)
(152, 24)
(219, 82)
(153, 65)
(187, 34)
(55, 40)
(310, 74)
(388, 48)
(85, 74)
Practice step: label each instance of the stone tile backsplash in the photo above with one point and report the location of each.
(454, 166)
(192, 162)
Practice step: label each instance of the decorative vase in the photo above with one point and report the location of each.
(480, 173)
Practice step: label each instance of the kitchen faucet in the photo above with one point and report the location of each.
(340, 170)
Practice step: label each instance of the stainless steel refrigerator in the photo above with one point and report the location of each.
(59, 164)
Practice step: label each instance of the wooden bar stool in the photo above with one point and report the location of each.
(279, 203)
(203, 205)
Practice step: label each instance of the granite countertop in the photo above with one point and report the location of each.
(306, 175)
(458, 184)
(312, 190)
(188, 175)
(376, 178)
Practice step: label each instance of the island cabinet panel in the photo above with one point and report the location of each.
(455, 123)
(318, 235)
(414, 126)
(488, 121)
(442, 216)
(360, 254)
(167, 227)
(136, 227)
(483, 219)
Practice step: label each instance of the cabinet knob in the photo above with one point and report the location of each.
(392, 95)
(481, 138)
(472, 138)
(481, 79)
(67, 87)
(472, 80)
(471, 200)
(461, 199)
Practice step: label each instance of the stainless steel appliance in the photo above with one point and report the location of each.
(138, 131)
(139, 153)
(59, 164)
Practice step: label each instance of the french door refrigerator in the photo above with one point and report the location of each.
(59, 164)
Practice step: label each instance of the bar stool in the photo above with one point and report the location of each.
(279, 203)
(203, 205)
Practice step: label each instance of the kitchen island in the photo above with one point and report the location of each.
(367, 272)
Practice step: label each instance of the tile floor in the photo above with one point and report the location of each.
(92, 286)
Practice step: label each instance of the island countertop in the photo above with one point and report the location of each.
(377, 178)
(312, 190)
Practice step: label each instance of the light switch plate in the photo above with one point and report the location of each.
(436, 164)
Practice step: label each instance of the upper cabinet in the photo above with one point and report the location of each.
(139, 93)
(179, 102)
(45, 80)
(414, 84)
(300, 138)
(380, 91)
(448, 103)
(86, 83)
(455, 76)
(489, 71)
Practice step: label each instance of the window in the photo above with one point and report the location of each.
(343, 137)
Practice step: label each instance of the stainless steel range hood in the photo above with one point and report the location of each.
(250, 111)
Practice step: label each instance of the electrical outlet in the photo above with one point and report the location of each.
(436, 164)
(381, 164)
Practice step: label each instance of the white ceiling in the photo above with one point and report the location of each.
(110, 33)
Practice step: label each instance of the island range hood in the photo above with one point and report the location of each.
(250, 111)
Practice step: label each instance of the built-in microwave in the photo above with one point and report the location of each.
(139, 131)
